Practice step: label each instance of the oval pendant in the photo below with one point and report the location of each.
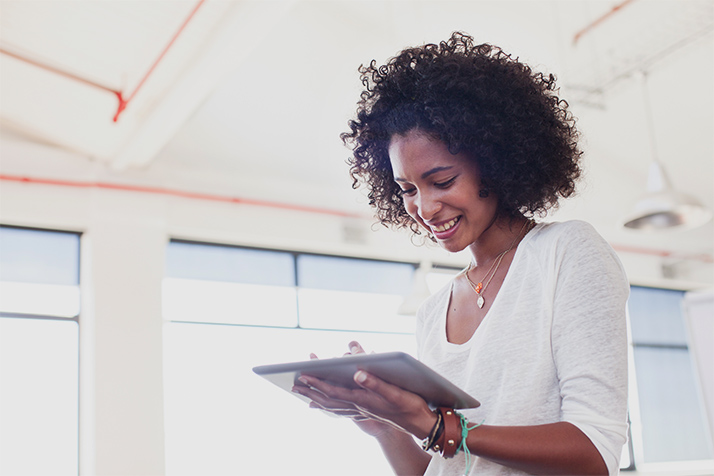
(480, 301)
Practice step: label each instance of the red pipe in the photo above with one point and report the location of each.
(60, 72)
(664, 253)
(286, 206)
(176, 193)
(600, 20)
(123, 102)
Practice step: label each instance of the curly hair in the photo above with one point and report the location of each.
(479, 100)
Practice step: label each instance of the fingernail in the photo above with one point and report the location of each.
(354, 349)
(304, 380)
(360, 376)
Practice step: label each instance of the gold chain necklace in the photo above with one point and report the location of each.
(480, 288)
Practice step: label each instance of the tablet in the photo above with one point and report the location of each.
(397, 368)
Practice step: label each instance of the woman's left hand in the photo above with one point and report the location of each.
(375, 400)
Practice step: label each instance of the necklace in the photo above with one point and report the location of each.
(480, 288)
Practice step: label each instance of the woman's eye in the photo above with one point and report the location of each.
(445, 183)
(408, 191)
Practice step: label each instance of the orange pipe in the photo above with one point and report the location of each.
(599, 20)
(663, 253)
(177, 193)
(285, 206)
(123, 102)
(66, 74)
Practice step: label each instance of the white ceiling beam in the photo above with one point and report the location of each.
(238, 36)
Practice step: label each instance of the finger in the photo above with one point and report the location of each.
(372, 416)
(322, 400)
(337, 411)
(391, 393)
(331, 391)
(355, 347)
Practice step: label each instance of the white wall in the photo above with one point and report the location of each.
(124, 234)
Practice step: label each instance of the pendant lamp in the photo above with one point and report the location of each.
(662, 207)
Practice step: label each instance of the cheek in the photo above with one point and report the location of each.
(410, 207)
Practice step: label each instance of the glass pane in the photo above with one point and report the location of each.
(353, 311)
(39, 394)
(229, 303)
(39, 299)
(231, 264)
(221, 418)
(672, 420)
(38, 256)
(656, 316)
(349, 274)
(438, 279)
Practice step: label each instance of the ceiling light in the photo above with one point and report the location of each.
(662, 207)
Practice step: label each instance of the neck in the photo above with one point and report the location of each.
(497, 239)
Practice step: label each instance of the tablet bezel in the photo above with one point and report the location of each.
(398, 368)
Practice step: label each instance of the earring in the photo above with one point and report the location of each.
(483, 193)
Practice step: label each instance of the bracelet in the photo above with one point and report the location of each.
(451, 437)
(465, 428)
(445, 437)
(448, 436)
(428, 443)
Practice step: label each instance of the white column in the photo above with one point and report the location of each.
(122, 381)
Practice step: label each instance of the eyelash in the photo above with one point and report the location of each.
(444, 184)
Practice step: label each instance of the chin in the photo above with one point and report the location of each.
(452, 247)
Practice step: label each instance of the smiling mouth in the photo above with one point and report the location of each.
(446, 226)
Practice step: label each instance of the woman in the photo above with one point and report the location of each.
(468, 144)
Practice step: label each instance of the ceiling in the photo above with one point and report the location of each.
(247, 98)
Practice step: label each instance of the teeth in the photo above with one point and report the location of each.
(446, 226)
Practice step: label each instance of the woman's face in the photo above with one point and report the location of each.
(441, 190)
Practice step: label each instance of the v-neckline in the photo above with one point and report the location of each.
(496, 299)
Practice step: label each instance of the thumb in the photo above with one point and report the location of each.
(356, 347)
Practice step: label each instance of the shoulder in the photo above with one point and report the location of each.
(574, 236)
(572, 230)
(575, 248)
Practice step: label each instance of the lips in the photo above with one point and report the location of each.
(445, 230)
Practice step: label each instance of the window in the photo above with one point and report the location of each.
(39, 342)
(667, 411)
(230, 309)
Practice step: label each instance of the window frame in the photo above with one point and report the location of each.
(294, 254)
(76, 319)
(636, 457)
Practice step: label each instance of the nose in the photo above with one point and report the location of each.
(427, 206)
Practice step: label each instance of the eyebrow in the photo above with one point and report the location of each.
(427, 173)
